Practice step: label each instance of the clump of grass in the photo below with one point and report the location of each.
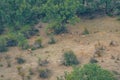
(99, 49)
(7, 57)
(85, 32)
(52, 40)
(70, 58)
(31, 71)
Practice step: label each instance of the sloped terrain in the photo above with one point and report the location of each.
(102, 30)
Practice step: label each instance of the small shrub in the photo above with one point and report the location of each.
(44, 73)
(52, 40)
(1, 65)
(22, 42)
(42, 62)
(29, 31)
(99, 49)
(31, 71)
(38, 43)
(56, 28)
(93, 60)
(70, 59)
(20, 60)
(3, 46)
(19, 68)
(7, 58)
(85, 32)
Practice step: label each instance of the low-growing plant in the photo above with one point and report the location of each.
(38, 43)
(7, 58)
(43, 62)
(3, 45)
(85, 32)
(93, 60)
(31, 71)
(22, 41)
(52, 40)
(19, 68)
(55, 28)
(99, 49)
(11, 39)
(70, 58)
(20, 60)
(44, 73)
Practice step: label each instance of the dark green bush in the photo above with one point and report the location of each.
(93, 60)
(44, 73)
(89, 72)
(20, 60)
(3, 45)
(70, 58)
(28, 31)
(22, 42)
(11, 39)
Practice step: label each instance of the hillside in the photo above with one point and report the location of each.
(102, 30)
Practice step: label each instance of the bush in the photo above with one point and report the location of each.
(93, 60)
(3, 45)
(56, 28)
(28, 31)
(44, 73)
(22, 41)
(1, 30)
(38, 43)
(12, 39)
(70, 59)
(89, 72)
(52, 40)
(20, 60)
(99, 50)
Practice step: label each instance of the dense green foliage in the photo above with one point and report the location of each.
(16, 14)
(19, 16)
(89, 72)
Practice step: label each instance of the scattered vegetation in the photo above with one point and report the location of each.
(70, 58)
